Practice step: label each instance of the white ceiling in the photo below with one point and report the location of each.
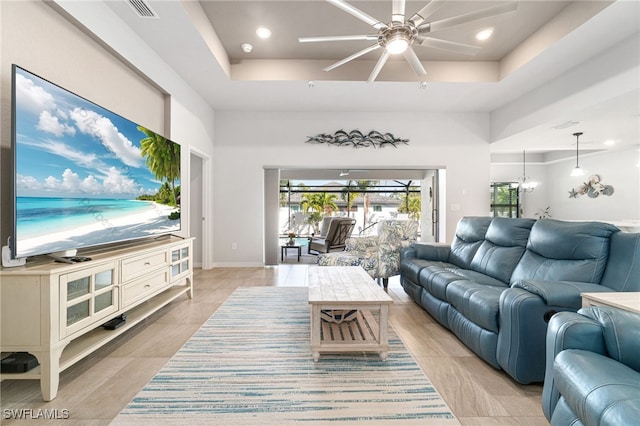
(532, 49)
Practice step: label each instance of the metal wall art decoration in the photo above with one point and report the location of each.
(593, 188)
(357, 139)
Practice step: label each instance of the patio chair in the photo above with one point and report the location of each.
(379, 255)
(340, 229)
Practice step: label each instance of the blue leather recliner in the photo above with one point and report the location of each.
(501, 280)
(593, 368)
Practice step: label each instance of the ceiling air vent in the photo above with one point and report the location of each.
(142, 8)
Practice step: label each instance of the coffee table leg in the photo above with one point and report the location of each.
(383, 328)
(315, 331)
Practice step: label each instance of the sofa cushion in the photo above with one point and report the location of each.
(598, 389)
(410, 268)
(502, 248)
(479, 303)
(436, 279)
(476, 276)
(565, 251)
(623, 267)
(469, 236)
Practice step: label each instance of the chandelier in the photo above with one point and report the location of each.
(524, 183)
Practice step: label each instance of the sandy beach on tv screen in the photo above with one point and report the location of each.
(150, 222)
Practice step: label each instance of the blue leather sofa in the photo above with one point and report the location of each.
(593, 368)
(500, 281)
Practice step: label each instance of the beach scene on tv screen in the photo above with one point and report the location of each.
(86, 176)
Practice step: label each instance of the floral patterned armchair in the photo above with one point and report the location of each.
(379, 255)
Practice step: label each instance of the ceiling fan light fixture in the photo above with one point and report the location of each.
(397, 45)
(263, 32)
(484, 34)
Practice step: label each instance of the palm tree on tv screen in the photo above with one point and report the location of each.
(163, 159)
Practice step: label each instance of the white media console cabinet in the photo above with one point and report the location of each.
(55, 311)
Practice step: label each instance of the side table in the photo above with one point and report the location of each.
(629, 301)
(284, 248)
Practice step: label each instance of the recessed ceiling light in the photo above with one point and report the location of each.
(609, 142)
(246, 47)
(263, 32)
(484, 34)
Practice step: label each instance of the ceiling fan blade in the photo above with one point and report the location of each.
(337, 38)
(424, 13)
(470, 17)
(414, 61)
(466, 49)
(397, 11)
(352, 57)
(378, 67)
(375, 23)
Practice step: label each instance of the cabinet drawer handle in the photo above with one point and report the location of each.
(147, 285)
(147, 263)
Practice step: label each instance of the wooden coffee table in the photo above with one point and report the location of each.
(344, 288)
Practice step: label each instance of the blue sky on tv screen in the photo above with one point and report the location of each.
(69, 147)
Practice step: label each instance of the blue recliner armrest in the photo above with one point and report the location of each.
(567, 330)
(593, 368)
(560, 293)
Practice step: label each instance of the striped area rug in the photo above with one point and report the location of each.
(251, 364)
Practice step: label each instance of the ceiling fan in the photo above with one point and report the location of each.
(400, 35)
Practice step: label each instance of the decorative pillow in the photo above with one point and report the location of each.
(338, 316)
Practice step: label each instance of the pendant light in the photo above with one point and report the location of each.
(524, 184)
(577, 171)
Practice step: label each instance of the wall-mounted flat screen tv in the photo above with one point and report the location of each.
(85, 176)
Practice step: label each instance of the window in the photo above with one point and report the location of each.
(504, 199)
(304, 203)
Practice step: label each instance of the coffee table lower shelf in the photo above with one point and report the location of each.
(359, 335)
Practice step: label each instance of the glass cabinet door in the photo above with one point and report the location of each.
(180, 261)
(87, 296)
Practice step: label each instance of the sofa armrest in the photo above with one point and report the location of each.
(432, 251)
(567, 330)
(407, 252)
(559, 293)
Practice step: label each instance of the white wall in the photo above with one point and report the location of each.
(247, 142)
(615, 167)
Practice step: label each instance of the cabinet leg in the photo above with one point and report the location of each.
(49, 373)
(190, 284)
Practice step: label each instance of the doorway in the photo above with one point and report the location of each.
(430, 188)
(198, 200)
